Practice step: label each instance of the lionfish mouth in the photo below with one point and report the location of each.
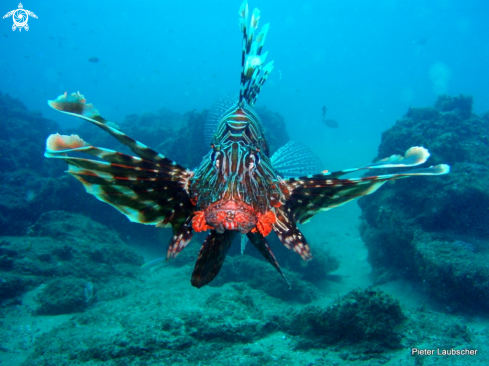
(230, 215)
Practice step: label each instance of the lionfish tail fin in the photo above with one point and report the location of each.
(261, 244)
(254, 70)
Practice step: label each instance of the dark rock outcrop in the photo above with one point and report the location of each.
(404, 221)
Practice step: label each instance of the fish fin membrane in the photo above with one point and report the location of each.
(151, 197)
(261, 244)
(322, 192)
(149, 189)
(414, 156)
(290, 235)
(211, 257)
(221, 106)
(180, 239)
(254, 70)
(75, 105)
(295, 159)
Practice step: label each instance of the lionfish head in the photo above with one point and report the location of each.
(233, 190)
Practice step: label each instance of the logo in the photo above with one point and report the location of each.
(20, 17)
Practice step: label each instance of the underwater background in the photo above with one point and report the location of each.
(403, 268)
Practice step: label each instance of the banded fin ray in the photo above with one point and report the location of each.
(178, 242)
(154, 201)
(415, 155)
(289, 234)
(75, 105)
(211, 257)
(261, 244)
(321, 192)
(149, 189)
(254, 73)
(295, 159)
(115, 162)
(180, 238)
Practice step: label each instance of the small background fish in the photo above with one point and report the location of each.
(328, 122)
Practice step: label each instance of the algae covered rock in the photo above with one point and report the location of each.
(26, 188)
(63, 296)
(64, 245)
(451, 208)
(369, 317)
(63, 225)
(454, 272)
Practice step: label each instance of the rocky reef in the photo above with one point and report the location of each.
(435, 231)
(370, 318)
(29, 184)
(65, 252)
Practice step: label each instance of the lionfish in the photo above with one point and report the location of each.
(237, 188)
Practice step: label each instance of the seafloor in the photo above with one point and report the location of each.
(407, 270)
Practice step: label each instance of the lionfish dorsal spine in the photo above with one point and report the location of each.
(254, 70)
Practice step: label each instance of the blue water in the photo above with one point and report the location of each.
(366, 61)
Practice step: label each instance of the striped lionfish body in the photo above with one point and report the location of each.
(237, 189)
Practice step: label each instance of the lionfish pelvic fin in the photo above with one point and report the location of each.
(261, 244)
(211, 257)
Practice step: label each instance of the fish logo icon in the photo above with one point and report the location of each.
(20, 17)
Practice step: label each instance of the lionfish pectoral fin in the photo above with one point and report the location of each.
(76, 105)
(261, 244)
(290, 235)
(414, 156)
(321, 192)
(294, 159)
(211, 257)
(181, 237)
(148, 189)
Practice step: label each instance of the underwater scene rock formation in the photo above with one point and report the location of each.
(436, 232)
(74, 291)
